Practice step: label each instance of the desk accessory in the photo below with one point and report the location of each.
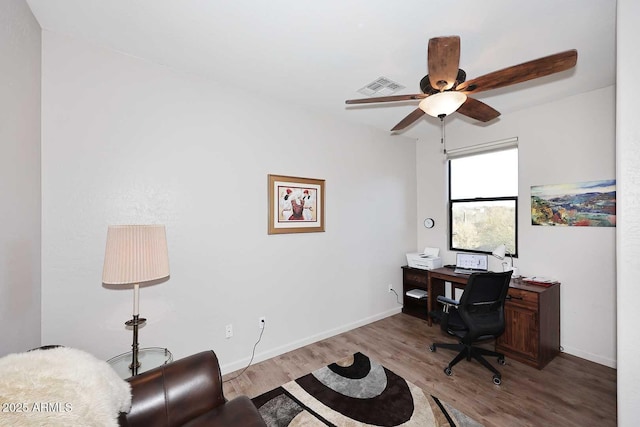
(540, 281)
(426, 260)
(135, 254)
(417, 293)
(501, 252)
(471, 263)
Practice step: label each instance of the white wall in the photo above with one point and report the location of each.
(19, 178)
(572, 140)
(628, 175)
(128, 141)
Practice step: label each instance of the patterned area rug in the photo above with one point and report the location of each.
(356, 391)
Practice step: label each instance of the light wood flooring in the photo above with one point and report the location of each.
(569, 391)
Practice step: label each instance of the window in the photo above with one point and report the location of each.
(483, 201)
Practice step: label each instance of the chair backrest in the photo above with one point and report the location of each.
(173, 394)
(482, 304)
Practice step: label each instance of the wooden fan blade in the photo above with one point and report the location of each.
(521, 73)
(386, 98)
(477, 110)
(443, 60)
(412, 117)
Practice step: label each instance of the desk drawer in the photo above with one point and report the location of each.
(523, 298)
(415, 277)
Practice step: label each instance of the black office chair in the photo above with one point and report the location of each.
(478, 316)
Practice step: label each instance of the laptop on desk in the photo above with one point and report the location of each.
(471, 263)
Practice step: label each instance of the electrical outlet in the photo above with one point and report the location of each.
(261, 322)
(228, 331)
(390, 287)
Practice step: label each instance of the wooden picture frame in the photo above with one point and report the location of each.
(296, 205)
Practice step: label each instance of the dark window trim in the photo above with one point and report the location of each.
(480, 199)
(476, 199)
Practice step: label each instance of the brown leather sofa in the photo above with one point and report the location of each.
(187, 392)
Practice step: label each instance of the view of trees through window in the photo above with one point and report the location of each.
(482, 226)
(483, 201)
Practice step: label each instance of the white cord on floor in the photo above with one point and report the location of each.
(253, 353)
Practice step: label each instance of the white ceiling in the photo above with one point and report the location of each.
(316, 54)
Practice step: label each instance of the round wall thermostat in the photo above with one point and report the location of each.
(429, 223)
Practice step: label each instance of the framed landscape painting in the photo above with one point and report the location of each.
(296, 205)
(584, 204)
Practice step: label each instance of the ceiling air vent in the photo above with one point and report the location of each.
(381, 86)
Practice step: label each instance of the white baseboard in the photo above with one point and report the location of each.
(612, 363)
(239, 364)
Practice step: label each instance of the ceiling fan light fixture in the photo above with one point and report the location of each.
(443, 103)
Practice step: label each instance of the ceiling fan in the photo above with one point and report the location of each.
(445, 89)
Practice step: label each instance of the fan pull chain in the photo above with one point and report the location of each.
(442, 138)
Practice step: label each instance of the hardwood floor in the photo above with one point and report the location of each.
(569, 391)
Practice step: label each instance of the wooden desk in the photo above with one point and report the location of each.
(532, 314)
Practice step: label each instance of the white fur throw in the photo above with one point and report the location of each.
(60, 387)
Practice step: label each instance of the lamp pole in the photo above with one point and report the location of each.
(135, 322)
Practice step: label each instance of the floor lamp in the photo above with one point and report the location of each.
(135, 254)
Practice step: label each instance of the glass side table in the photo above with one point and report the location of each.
(149, 358)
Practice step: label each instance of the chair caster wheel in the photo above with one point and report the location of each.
(447, 371)
(497, 380)
(501, 361)
(432, 348)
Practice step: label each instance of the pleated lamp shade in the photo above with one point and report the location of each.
(135, 254)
